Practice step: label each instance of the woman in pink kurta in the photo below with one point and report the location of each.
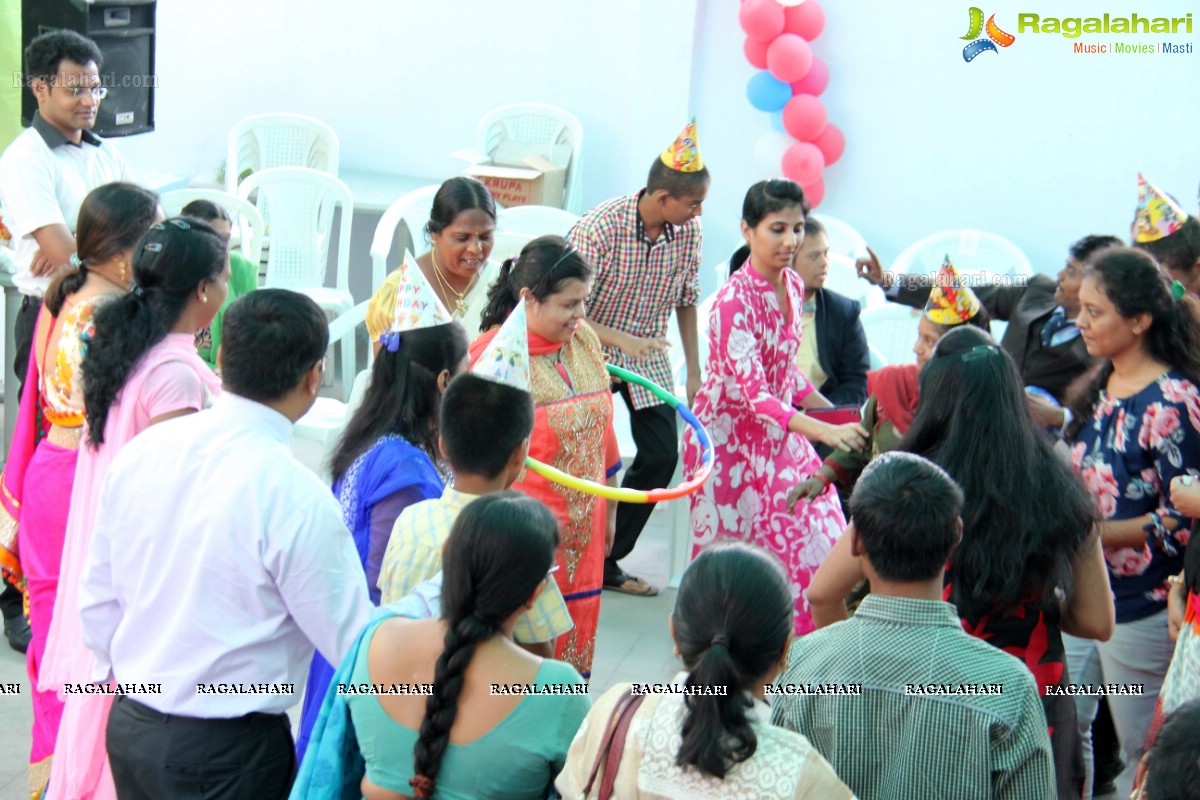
(746, 403)
(141, 369)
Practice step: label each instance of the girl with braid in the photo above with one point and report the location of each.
(494, 720)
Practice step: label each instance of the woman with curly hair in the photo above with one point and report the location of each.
(1135, 427)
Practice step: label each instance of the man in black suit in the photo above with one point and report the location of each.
(833, 349)
(1041, 336)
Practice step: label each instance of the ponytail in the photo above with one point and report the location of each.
(501, 299)
(732, 619)
(170, 263)
(65, 284)
(499, 551)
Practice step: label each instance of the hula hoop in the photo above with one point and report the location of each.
(639, 495)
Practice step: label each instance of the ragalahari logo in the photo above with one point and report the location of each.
(995, 36)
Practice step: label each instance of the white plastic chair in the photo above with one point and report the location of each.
(266, 141)
(535, 221)
(508, 244)
(537, 123)
(248, 227)
(325, 420)
(408, 216)
(843, 238)
(982, 256)
(843, 279)
(891, 332)
(877, 359)
(298, 205)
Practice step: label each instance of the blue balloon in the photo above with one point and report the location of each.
(766, 93)
(777, 121)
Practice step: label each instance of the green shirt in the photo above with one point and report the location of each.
(243, 279)
(939, 713)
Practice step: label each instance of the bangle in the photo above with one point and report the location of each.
(824, 481)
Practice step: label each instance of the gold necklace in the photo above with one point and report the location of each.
(460, 307)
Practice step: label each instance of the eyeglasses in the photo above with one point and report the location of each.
(97, 92)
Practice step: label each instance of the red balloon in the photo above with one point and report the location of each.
(761, 19)
(804, 117)
(815, 81)
(831, 143)
(789, 57)
(806, 19)
(814, 193)
(803, 163)
(756, 52)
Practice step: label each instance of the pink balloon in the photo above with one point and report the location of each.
(756, 52)
(761, 19)
(814, 193)
(814, 81)
(806, 19)
(803, 163)
(789, 57)
(831, 143)
(804, 117)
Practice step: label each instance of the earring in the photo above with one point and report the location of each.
(204, 298)
(121, 264)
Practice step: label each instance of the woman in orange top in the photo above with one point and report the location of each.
(572, 427)
(40, 472)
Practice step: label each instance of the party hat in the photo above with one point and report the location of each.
(417, 305)
(506, 358)
(684, 153)
(1157, 214)
(949, 303)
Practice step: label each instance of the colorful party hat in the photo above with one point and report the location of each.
(506, 358)
(417, 305)
(684, 154)
(1157, 214)
(949, 302)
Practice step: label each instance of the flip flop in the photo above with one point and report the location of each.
(632, 585)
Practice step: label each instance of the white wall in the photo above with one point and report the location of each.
(1034, 142)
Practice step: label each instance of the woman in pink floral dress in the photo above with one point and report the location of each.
(746, 403)
(1134, 429)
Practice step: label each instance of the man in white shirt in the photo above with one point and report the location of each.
(47, 170)
(217, 562)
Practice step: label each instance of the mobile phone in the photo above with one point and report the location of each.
(836, 415)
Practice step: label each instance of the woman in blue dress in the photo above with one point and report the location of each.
(387, 458)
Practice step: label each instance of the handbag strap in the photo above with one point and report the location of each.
(618, 728)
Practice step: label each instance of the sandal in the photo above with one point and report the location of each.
(627, 584)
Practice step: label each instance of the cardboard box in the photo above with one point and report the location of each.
(537, 182)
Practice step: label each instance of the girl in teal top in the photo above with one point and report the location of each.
(243, 276)
(454, 702)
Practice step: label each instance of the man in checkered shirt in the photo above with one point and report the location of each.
(645, 250)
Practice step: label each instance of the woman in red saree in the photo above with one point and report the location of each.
(40, 472)
(572, 427)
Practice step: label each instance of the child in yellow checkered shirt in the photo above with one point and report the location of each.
(484, 435)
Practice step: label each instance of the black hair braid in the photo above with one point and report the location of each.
(716, 755)
(501, 299)
(442, 706)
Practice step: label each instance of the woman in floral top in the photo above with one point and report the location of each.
(1134, 428)
(746, 403)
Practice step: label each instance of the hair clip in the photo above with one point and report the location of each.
(390, 340)
(137, 291)
(153, 247)
(76, 262)
(979, 351)
(178, 223)
(1178, 290)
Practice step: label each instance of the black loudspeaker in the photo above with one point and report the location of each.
(124, 32)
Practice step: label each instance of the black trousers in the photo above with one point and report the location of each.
(23, 327)
(157, 756)
(657, 442)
